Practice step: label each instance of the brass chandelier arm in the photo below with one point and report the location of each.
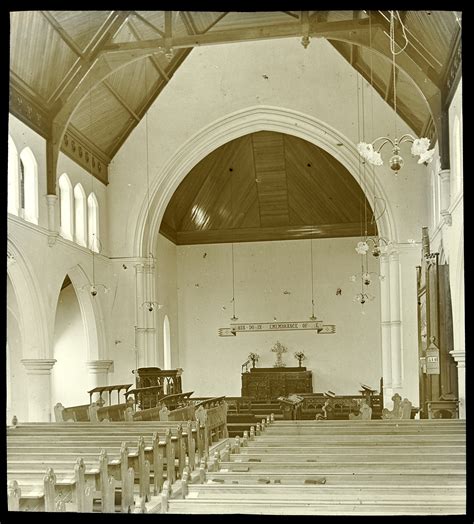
(406, 138)
(386, 140)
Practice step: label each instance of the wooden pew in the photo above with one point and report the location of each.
(113, 413)
(71, 413)
(58, 444)
(177, 407)
(92, 478)
(212, 413)
(308, 467)
(276, 500)
(140, 451)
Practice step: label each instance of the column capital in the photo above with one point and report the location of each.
(51, 199)
(459, 357)
(444, 174)
(139, 267)
(38, 366)
(10, 258)
(447, 218)
(99, 366)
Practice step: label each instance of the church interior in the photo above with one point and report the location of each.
(235, 262)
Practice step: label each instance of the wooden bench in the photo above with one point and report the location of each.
(333, 467)
(113, 413)
(33, 447)
(177, 407)
(71, 413)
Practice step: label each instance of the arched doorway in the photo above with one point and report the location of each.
(16, 373)
(69, 376)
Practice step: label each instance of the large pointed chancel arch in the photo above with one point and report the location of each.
(235, 125)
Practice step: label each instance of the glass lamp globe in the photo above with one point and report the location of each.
(396, 163)
(376, 251)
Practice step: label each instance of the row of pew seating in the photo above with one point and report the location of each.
(109, 466)
(374, 467)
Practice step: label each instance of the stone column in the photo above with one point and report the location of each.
(38, 371)
(140, 327)
(460, 358)
(51, 201)
(98, 370)
(445, 195)
(150, 316)
(385, 323)
(395, 322)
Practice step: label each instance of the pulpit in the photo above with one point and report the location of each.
(153, 383)
(271, 383)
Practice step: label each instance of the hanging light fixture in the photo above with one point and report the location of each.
(149, 304)
(379, 244)
(93, 287)
(233, 317)
(420, 146)
(312, 317)
(376, 244)
(365, 280)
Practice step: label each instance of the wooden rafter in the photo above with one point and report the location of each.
(343, 30)
(121, 100)
(67, 78)
(148, 23)
(411, 51)
(62, 33)
(108, 30)
(168, 24)
(216, 21)
(153, 59)
(354, 50)
(433, 82)
(174, 64)
(188, 23)
(90, 71)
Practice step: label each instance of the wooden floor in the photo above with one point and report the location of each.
(378, 467)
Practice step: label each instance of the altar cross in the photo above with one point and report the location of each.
(279, 349)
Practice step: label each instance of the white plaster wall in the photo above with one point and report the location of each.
(69, 383)
(263, 271)
(122, 318)
(167, 296)
(48, 267)
(455, 112)
(409, 258)
(77, 174)
(16, 379)
(450, 238)
(215, 81)
(23, 137)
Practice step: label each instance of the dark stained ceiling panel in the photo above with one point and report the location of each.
(266, 186)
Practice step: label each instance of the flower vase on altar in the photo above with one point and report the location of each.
(300, 356)
(254, 358)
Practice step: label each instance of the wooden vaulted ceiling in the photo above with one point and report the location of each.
(266, 186)
(71, 71)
